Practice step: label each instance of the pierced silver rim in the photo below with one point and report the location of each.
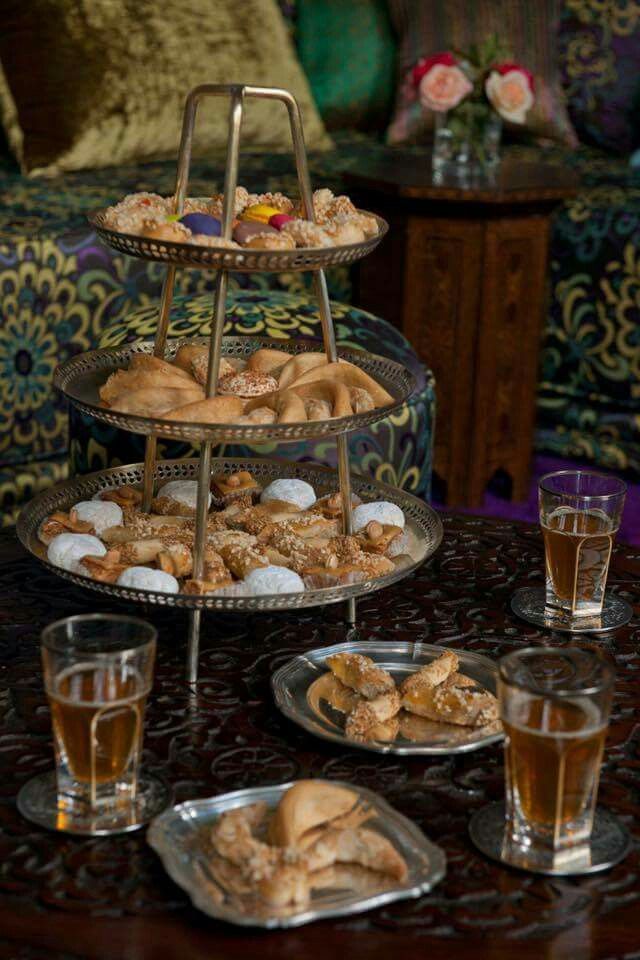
(80, 377)
(244, 260)
(422, 520)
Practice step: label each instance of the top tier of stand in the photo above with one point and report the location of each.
(242, 260)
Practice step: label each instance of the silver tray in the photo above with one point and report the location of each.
(179, 838)
(81, 377)
(291, 683)
(423, 523)
(242, 260)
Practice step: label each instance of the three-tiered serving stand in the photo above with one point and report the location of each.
(81, 377)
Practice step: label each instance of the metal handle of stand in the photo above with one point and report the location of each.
(237, 94)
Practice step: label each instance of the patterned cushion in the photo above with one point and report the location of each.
(599, 48)
(528, 30)
(396, 450)
(348, 52)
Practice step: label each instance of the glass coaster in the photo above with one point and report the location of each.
(38, 802)
(528, 603)
(609, 845)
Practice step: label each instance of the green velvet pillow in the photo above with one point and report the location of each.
(348, 52)
(93, 83)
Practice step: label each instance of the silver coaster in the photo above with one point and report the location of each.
(528, 603)
(610, 843)
(38, 802)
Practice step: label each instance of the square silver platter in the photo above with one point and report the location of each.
(301, 691)
(422, 523)
(240, 260)
(179, 837)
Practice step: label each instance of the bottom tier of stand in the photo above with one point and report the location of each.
(422, 523)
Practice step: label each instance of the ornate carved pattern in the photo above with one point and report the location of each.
(227, 734)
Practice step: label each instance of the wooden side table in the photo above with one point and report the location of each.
(463, 274)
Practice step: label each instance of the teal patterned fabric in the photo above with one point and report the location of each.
(396, 450)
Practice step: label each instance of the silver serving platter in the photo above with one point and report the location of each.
(242, 260)
(81, 378)
(179, 837)
(423, 523)
(292, 682)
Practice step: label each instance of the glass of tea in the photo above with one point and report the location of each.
(554, 706)
(580, 514)
(98, 671)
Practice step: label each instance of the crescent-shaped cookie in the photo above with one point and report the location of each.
(126, 381)
(155, 401)
(305, 805)
(267, 360)
(350, 375)
(296, 366)
(289, 407)
(219, 409)
(330, 392)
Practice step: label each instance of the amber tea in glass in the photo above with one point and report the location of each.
(98, 673)
(554, 705)
(580, 514)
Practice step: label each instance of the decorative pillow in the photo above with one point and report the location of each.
(527, 27)
(91, 83)
(599, 48)
(348, 51)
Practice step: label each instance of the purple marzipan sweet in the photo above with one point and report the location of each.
(202, 223)
(247, 229)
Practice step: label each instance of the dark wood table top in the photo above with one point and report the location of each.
(64, 898)
(405, 176)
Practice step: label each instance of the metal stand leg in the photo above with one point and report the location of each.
(193, 645)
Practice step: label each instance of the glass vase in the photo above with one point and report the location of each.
(467, 139)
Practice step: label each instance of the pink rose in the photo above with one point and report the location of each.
(509, 89)
(441, 83)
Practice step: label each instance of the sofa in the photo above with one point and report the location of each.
(61, 290)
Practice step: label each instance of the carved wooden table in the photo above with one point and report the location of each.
(463, 274)
(109, 899)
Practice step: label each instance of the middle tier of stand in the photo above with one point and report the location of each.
(81, 377)
(422, 523)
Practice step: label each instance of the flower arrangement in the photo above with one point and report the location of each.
(473, 89)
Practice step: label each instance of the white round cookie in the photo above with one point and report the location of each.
(184, 491)
(67, 550)
(101, 514)
(380, 510)
(144, 578)
(273, 579)
(298, 492)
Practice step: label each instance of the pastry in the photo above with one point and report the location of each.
(349, 374)
(344, 231)
(331, 505)
(194, 360)
(360, 845)
(61, 522)
(273, 579)
(380, 511)
(143, 578)
(361, 674)
(295, 366)
(138, 378)
(380, 538)
(177, 497)
(218, 409)
(278, 220)
(125, 496)
(245, 231)
(267, 360)
(298, 492)
(367, 566)
(176, 559)
(304, 806)
(68, 549)
(271, 241)
(449, 703)
(100, 514)
(229, 487)
(247, 384)
(259, 212)
(156, 401)
(241, 558)
(107, 568)
(288, 407)
(368, 713)
(307, 234)
(432, 674)
(166, 232)
(361, 400)
(135, 210)
(240, 201)
(324, 398)
(260, 416)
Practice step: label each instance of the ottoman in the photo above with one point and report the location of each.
(396, 450)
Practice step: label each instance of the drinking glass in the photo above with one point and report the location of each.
(580, 515)
(98, 671)
(554, 706)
